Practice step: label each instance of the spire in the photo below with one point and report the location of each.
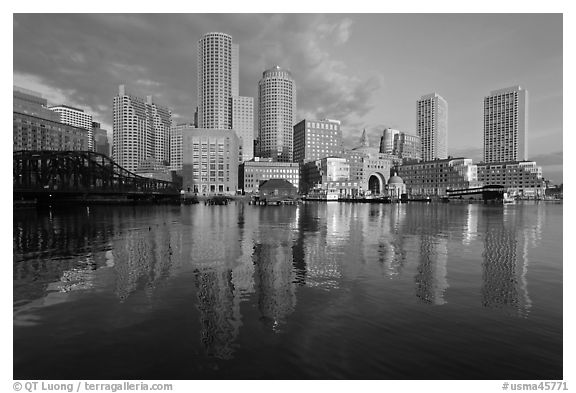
(364, 140)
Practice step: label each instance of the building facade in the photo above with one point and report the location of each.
(253, 172)
(215, 72)
(101, 143)
(519, 178)
(35, 127)
(400, 144)
(505, 125)
(176, 144)
(276, 114)
(329, 176)
(433, 178)
(316, 139)
(243, 125)
(141, 130)
(76, 117)
(432, 126)
(36, 133)
(32, 103)
(209, 161)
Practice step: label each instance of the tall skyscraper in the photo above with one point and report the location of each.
(76, 117)
(141, 130)
(243, 124)
(316, 139)
(505, 125)
(101, 144)
(432, 126)
(176, 144)
(215, 72)
(276, 114)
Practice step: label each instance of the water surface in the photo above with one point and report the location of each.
(316, 291)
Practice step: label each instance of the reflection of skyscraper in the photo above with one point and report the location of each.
(273, 274)
(431, 282)
(503, 278)
(219, 325)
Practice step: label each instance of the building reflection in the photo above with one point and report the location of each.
(431, 280)
(505, 263)
(274, 277)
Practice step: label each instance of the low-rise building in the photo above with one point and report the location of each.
(328, 176)
(36, 133)
(209, 161)
(433, 178)
(278, 188)
(520, 178)
(253, 172)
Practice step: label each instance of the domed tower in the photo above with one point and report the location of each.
(396, 187)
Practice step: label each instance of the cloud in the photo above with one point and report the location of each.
(80, 59)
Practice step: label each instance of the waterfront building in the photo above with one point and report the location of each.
(432, 126)
(252, 173)
(316, 139)
(276, 114)
(369, 167)
(278, 188)
(505, 125)
(176, 150)
(328, 176)
(395, 187)
(101, 143)
(76, 117)
(35, 127)
(37, 133)
(243, 125)
(141, 130)
(521, 178)
(209, 161)
(433, 178)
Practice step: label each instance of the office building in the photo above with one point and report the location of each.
(176, 144)
(243, 125)
(505, 125)
(316, 139)
(519, 178)
(254, 172)
(101, 143)
(76, 117)
(433, 178)
(329, 176)
(209, 161)
(400, 144)
(276, 114)
(32, 103)
(215, 71)
(141, 130)
(35, 127)
(432, 126)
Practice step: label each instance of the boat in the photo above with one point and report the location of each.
(507, 198)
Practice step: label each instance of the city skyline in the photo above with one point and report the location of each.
(333, 60)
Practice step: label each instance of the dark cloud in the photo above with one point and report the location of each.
(83, 58)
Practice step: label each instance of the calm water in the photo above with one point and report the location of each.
(323, 291)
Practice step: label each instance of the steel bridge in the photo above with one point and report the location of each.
(66, 174)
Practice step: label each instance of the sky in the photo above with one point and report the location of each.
(366, 70)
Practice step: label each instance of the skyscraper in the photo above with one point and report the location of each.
(215, 73)
(276, 114)
(77, 118)
(141, 130)
(505, 125)
(387, 140)
(432, 126)
(243, 124)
